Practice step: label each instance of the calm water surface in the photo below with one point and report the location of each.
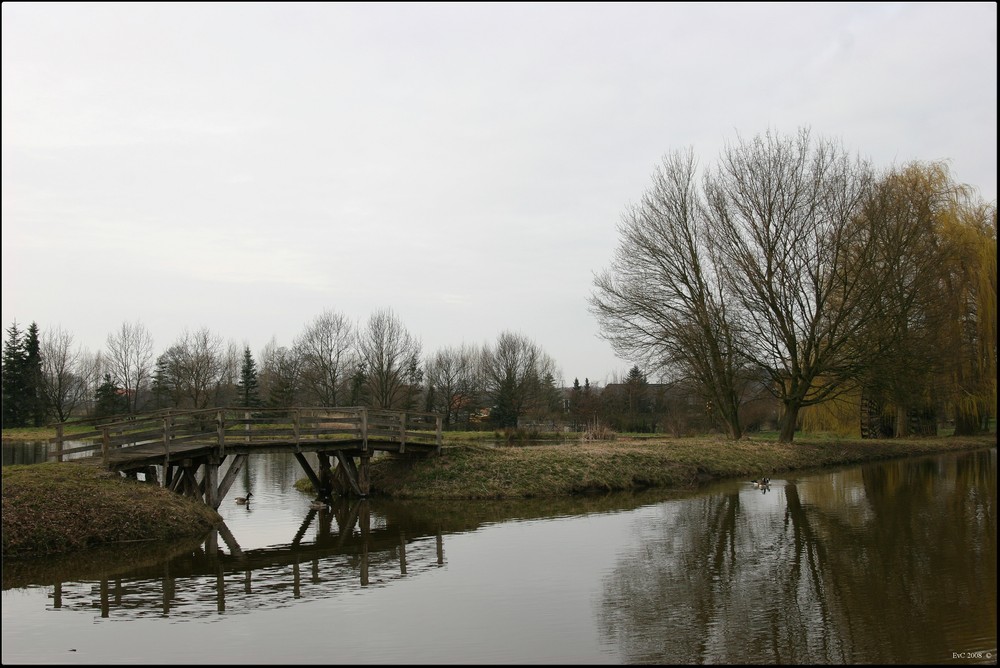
(892, 562)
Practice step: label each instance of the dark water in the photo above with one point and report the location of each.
(892, 562)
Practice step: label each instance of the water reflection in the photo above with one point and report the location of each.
(28, 452)
(36, 452)
(333, 550)
(891, 562)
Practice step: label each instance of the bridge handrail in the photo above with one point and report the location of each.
(231, 425)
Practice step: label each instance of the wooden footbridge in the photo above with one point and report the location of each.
(190, 447)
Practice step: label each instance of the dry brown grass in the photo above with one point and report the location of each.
(470, 471)
(56, 507)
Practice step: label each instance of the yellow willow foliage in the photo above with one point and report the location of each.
(840, 416)
(968, 231)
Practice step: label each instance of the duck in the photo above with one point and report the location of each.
(318, 505)
(242, 500)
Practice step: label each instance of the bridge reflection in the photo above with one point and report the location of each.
(352, 547)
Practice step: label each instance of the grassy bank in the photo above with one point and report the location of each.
(472, 471)
(59, 507)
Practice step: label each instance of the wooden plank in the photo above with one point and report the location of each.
(235, 466)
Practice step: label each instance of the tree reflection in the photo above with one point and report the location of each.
(837, 568)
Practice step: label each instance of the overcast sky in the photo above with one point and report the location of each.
(244, 167)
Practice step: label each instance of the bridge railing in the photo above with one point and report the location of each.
(232, 426)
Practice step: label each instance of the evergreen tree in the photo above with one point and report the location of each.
(248, 395)
(576, 404)
(358, 394)
(635, 397)
(14, 386)
(429, 399)
(162, 384)
(109, 400)
(36, 410)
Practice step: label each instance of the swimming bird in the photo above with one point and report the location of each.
(318, 505)
(244, 499)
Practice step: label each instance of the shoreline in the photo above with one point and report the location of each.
(56, 508)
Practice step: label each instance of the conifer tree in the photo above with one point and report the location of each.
(34, 396)
(14, 356)
(248, 394)
(109, 400)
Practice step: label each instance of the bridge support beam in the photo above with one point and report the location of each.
(350, 472)
(364, 480)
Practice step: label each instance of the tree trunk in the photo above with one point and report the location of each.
(787, 424)
(731, 416)
(902, 421)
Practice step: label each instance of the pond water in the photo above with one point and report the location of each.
(892, 562)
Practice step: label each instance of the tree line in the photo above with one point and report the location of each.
(332, 362)
(505, 384)
(790, 266)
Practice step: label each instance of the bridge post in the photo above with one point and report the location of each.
(212, 499)
(364, 429)
(325, 474)
(365, 523)
(221, 419)
(402, 432)
(364, 481)
(168, 422)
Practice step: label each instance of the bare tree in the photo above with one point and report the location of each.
(63, 383)
(453, 382)
(662, 302)
(391, 356)
(232, 362)
(280, 375)
(784, 219)
(327, 351)
(129, 360)
(92, 369)
(513, 371)
(194, 368)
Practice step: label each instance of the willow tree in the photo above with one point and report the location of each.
(969, 232)
(905, 331)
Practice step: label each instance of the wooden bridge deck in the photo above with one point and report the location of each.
(184, 450)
